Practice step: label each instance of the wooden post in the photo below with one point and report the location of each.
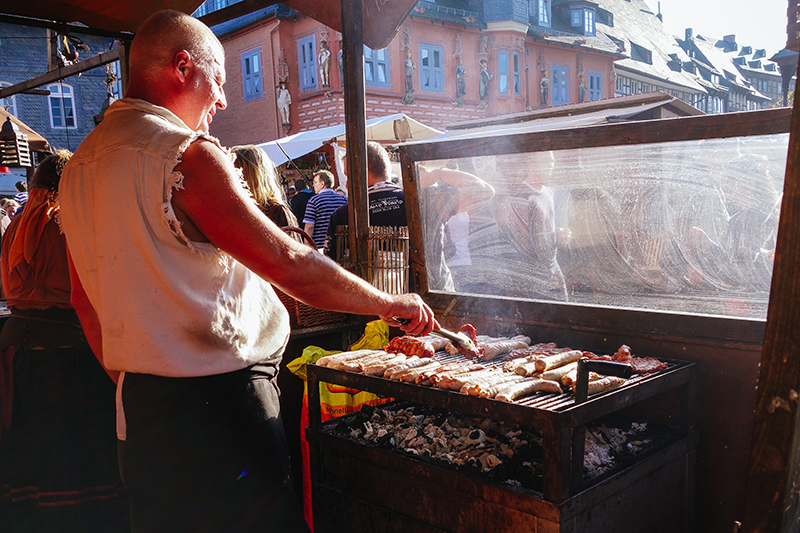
(356, 128)
(772, 482)
(124, 65)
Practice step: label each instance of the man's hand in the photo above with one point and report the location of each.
(411, 307)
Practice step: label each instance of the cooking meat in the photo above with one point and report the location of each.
(410, 346)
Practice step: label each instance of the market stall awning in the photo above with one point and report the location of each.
(36, 142)
(389, 129)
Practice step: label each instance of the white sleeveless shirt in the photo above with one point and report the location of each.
(167, 306)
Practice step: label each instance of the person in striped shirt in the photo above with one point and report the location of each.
(321, 206)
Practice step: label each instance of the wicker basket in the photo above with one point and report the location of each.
(388, 249)
(302, 315)
(305, 316)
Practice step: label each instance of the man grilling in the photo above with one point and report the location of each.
(175, 297)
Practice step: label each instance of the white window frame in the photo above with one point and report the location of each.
(544, 13)
(376, 61)
(502, 72)
(252, 86)
(10, 101)
(57, 91)
(588, 22)
(307, 63)
(430, 72)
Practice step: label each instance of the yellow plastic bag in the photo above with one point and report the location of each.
(335, 400)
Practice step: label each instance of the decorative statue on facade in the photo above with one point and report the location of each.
(483, 84)
(324, 59)
(461, 83)
(284, 103)
(340, 58)
(544, 90)
(409, 73)
(581, 89)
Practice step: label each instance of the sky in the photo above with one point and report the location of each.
(759, 24)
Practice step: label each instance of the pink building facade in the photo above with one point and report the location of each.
(435, 71)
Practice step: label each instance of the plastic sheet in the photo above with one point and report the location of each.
(685, 226)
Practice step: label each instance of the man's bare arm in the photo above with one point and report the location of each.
(88, 317)
(309, 228)
(235, 224)
(473, 192)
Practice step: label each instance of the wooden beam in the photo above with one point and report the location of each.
(772, 481)
(355, 118)
(64, 28)
(61, 73)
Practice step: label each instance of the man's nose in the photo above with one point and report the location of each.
(222, 103)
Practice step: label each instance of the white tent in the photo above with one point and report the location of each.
(389, 129)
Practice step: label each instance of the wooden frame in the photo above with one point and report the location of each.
(709, 341)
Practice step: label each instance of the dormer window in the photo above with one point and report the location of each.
(640, 53)
(582, 18)
(540, 11)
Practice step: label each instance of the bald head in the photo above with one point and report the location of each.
(162, 36)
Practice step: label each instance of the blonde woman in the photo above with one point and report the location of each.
(260, 175)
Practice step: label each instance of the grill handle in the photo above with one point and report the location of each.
(607, 368)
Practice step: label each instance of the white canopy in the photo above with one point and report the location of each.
(389, 129)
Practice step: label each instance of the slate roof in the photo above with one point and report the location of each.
(234, 25)
(723, 64)
(635, 23)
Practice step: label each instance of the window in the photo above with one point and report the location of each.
(595, 86)
(582, 18)
(588, 22)
(307, 60)
(502, 72)
(62, 106)
(560, 85)
(540, 12)
(577, 18)
(376, 67)
(516, 73)
(9, 103)
(640, 53)
(251, 74)
(431, 68)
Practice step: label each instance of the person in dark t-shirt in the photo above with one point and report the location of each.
(386, 201)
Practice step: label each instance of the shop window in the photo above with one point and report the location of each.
(431, 68)
(251, 74)
(307, 63)
(560, 85)
(376, 67)
(62, 106)
(502, 72)
(595, 86)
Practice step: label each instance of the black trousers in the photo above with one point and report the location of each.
(207, 454)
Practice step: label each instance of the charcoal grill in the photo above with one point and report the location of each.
(666, 396)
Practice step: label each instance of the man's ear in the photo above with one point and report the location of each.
(182, 64)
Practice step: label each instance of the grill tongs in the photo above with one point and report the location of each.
(607, 368)
(458, 339)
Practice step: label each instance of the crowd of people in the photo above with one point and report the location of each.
(138, 367)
